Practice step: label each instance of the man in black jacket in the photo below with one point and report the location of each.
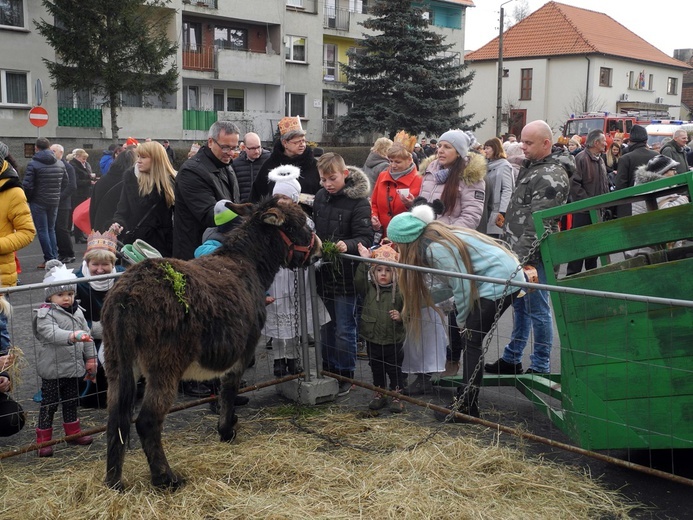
(63, 223)
(248, 164)
(44, 180)
(202, 181)
(638, 154)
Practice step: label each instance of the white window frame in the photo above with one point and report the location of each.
(290, 104)
(3, 88)
(672, 86)
(24, 17)
(289, 49)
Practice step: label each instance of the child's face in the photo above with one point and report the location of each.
(97, 267)
(383, 275)
(64, 299)
(333, 181)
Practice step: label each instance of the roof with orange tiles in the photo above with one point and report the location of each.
(562, 30)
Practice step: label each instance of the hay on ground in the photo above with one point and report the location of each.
(336, 465)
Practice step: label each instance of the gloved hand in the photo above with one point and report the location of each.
(79, 335)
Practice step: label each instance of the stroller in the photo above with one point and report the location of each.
(136, 252)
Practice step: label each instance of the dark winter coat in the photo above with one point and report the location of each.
(376, 325)
(44, 179)
(200, 184)
(70, 187)
(104, 199)
(83, 182)
(678, 154)
(157, 227)
(306, 162)
(247, 171)
(345, 216)
(638, 154)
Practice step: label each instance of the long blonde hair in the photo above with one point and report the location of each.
(414, 285)
(161, 175)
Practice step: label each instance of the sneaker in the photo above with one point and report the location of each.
(396, 405)
(195, 389)
(67, 259)
(361, 350)
(378, 402)
(503, 367)
(344, 388)
(532, 371)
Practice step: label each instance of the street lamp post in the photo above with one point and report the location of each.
(499, 99)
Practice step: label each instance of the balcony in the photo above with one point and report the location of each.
(249, 67)
(208, 4)
(302, 6)
(197, 57)
(337, 19)
(332, 75)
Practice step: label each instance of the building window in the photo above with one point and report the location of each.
(329, 62)
(235, 100)
(192, 100)
(231, 38)
(672, 86)
(131, 99)
(526, 84)
(12, 13)
(650, 82)
(192, 36)
(605, 77)
(295, 105)
(14, 87)
(295, 49)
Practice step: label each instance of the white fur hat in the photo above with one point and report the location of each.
(285, 178)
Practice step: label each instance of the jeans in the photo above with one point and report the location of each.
(532, 312)
(338, 336)
(5, 342)
(44, 220)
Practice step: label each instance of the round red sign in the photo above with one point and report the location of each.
(38, 116)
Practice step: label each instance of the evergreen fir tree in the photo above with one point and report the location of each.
(401, 78)
(110, 47)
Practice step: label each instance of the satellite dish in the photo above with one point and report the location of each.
(38, 92)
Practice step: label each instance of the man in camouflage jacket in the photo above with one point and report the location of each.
(543, 182)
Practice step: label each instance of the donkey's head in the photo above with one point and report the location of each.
(302, 245)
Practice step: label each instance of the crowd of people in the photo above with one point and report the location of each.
(450, 203)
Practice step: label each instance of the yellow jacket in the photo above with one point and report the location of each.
(16, 225)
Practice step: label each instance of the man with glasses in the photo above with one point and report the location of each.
(248, 164)
(204, 179)
(291, 148)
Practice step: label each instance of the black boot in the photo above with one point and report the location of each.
(294, 366)
(280, 367)
(466, 404)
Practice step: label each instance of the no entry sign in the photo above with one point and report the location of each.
(38, 116)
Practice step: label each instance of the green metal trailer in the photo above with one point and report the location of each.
(626, 366)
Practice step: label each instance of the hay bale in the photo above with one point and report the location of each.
(323, 464)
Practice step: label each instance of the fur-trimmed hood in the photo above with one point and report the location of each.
(474, 172)
(357, 184)
(643, 175)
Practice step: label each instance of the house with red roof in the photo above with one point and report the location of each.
(563, 60)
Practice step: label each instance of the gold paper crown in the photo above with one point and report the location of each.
(106, 241)
(290, 124)
(406, 140)
(385, 252)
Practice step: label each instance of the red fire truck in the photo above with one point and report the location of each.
(607, 122)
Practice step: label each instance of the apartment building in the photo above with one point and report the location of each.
(249, 62)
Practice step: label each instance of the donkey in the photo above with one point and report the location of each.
(169, 319)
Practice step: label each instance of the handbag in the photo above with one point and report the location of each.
(131, 232)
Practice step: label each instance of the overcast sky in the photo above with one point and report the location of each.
(665, 25)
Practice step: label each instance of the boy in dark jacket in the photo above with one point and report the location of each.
(381, 323)
(342, 215)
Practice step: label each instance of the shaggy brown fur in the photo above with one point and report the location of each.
(208, 329)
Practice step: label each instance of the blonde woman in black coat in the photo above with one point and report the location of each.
(145, 208)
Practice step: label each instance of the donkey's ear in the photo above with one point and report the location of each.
(273, 217)
(241, 209)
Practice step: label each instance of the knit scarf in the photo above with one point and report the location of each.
(440, 176)
(98, 285)
(398, 175)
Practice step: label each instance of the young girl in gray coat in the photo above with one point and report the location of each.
(66, 353)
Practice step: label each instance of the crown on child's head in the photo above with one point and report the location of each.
(106, 241)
